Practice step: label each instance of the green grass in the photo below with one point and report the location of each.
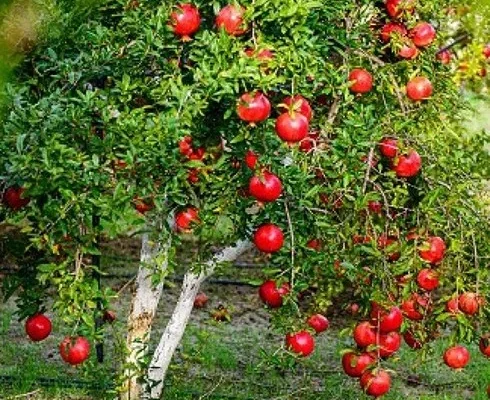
(229, 361)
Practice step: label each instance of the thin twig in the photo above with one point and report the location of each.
(213, 389)
(291, 234)
(374, 59)
(125, 285)
(334, 110)
(254, 38)
(368, 170)
(399, 93)
(459, 39)
(385, 199)
(477, 264)
(26, 395)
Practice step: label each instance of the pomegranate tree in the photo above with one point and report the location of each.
(329, 141)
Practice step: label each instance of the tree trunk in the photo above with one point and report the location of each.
(174, 331)
(144, 303)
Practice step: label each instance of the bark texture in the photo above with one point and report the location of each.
(174, 331)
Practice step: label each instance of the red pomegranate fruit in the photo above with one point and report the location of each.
(185, 21)
(361, 81)
(253, 108)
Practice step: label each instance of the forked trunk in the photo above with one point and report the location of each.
(174, 331)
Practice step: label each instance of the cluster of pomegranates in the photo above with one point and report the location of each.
(186, 20)
(301, 342)
(73, 350)
(405, 165)
(406, 44)
(292, 126)
(376, 339)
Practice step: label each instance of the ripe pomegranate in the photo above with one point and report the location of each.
(389, 344)
(268, 238)
(395, 8)
(266, 188)
(318, 322)
(193, 176)
(468, 303)
(428, 279)
(355, 365)
(359, 239)
(407, 165)
(74, 350)
(292, 127)
(388, 147)
(408, 50)
(452, 306)
(375, 383)
(142, 205)
(486, 51)
(310, 142)
(314, 244)
(299, 104)
(419, 88)
(185, 21)
(415, 307)
(301, 343)
(444, 57)
(186, 218)
(392, 29)
(251, 159)
(387, 320)
(201, 300)
(271, 294)
(375, 207)
(262, 55)
(423, 34)
(411, 341)
(364, 334)
(253, 108)
(457, 357)
(185, 146)
(361, 81)
(230, 18)
(433, 250)
(197, 154)
(38, 327)
(13, 198)
(484, 345)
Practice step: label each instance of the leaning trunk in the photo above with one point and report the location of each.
(174, 331)
(144, 303)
